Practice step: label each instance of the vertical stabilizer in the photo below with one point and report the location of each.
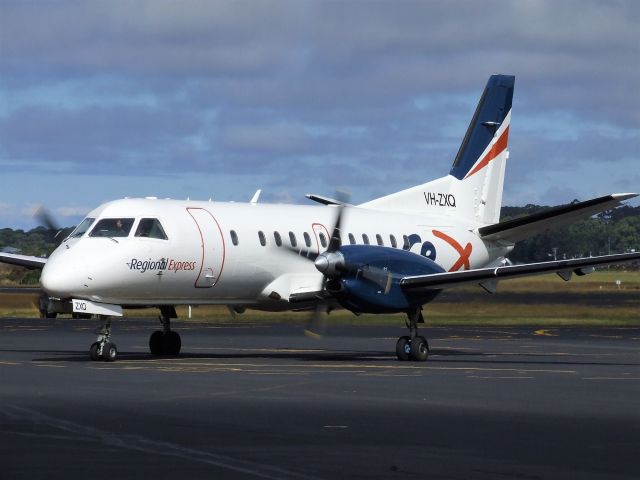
(473, 188)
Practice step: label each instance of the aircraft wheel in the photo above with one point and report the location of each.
(403, 348)
(155, 343)
(419, 349)
(94, 351)
(109, 352)
(171, 343)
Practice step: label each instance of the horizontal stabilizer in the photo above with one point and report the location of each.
(524, 227)
(579, 266)
(326, 200)
(22, 260)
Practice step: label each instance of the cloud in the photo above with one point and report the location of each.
(310, 94)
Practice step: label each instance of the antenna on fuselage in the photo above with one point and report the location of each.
(255, 197)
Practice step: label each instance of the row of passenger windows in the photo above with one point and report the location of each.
(293, 241)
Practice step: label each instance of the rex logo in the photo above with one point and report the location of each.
(465, 253)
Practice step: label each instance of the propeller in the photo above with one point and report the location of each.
(45, 219)
(330, 263)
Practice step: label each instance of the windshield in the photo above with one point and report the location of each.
(82, 228)
(150, 228)
(112, 227)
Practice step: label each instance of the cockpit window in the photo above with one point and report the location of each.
(112, 227)
(82, 228)
(150, 228)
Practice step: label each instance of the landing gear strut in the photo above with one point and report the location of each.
(165, 341)
(103, 348)
(413, 347)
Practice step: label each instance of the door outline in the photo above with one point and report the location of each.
(209, 275)
(320, 228)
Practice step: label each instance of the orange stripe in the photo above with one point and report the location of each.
(496, 150)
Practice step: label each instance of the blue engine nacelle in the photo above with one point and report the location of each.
(371, 279)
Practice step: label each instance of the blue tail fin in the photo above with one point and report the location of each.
(493, 107)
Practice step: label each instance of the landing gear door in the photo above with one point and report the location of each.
(212, 246)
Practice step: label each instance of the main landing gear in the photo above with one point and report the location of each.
(103, 348)
(165, 341)
(413, 347)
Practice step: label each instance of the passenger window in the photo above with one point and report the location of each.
(323, 240)
(379, 240)
(307, 239)
(365, 238)
(234, 237)
(150, 228)
(262, 238)
(394, 244)
(405, 243)
(277, 238)
(292, 239)
(352, 239)
(112, 227)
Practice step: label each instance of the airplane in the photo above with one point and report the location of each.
(392, 254)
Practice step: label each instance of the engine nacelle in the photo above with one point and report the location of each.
(371, 281)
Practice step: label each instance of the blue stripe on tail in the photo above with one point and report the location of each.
(492, 108)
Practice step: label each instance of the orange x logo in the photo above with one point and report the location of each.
(463, 252)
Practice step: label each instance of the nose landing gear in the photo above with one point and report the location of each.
(413, 347)
(103, 348)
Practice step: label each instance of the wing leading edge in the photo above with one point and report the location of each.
(23, 260)
(487, 277)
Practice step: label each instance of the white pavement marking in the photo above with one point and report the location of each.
(147, 445)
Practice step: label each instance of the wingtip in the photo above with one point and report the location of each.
(624, 196)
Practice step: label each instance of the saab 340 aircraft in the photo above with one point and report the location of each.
(392, 254)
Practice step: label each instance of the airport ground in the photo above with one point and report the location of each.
(250, 400)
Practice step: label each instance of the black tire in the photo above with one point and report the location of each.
(419, 349)
(403, 348)
(156, 343)
(172, 343)
(52, 314)
(94, 351)
(109, 352)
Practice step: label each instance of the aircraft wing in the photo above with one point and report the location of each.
(512, 231)
(23, 260)
(488, 277)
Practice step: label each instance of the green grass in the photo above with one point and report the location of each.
(579, 302)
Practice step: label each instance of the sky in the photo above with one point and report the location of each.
(214, 99)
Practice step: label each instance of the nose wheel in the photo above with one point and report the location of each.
(103, 348)
(413, 346)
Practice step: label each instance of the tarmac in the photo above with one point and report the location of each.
(265, 402)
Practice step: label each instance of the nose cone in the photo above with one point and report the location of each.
(322, 263)
(53, 281)
(62, 275)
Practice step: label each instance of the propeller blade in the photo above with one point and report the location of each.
(380, 277)
(303, 252)
(335, 243)
(317, 324)
(46, 219)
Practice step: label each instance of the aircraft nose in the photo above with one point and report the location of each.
(52, 281)
(61, 278)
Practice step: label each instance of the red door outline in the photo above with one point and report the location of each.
(212, 245)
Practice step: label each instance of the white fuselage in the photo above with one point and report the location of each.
(214, 252)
